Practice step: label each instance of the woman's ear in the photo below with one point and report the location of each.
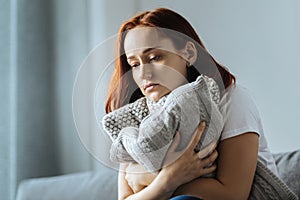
(190, 53)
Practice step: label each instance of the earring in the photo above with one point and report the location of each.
(188, 64)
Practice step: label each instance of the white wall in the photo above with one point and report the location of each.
(103, 24)
(78, 27)
(259, 42)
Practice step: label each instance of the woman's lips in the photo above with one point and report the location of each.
(150, 86)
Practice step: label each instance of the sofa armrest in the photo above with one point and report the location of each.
(92, 185)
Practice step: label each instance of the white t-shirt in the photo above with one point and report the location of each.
(241, 116)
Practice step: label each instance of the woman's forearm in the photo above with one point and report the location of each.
(235, 173)
(204, 188)
(160, 188)
(185, 169)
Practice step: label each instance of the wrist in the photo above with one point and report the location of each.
(168, 184)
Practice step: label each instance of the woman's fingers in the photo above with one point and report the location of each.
(209, 169)
(191, 164)
(207, 150)
(208, 164)
(210, 159)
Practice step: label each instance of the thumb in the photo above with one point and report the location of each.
(175, 142)
(172, 155)
(197, 135)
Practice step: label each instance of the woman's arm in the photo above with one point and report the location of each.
(124, 189)
(188, 167)
(236, 167)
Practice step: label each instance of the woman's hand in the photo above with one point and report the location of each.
(137, 177)
(190, 165)
(179, 167)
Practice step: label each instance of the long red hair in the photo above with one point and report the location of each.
(122, 88)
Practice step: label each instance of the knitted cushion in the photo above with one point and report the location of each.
(147, 139)
(288, 166)
(266, 185)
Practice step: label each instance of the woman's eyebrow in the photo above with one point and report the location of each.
(143, 52)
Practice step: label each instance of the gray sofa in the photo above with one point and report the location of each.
(102, 184)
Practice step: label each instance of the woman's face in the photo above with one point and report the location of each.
(157, 66)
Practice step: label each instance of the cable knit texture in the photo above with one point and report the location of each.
(144, 130)
(266, 185)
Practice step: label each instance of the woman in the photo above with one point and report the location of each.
(140, 60)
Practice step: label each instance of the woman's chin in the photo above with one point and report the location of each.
(156, 93)
(154, 97)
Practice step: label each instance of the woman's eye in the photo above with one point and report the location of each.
(155, 58)
(134, 64)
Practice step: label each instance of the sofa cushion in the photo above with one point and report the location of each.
(92, 185)
(288, 165)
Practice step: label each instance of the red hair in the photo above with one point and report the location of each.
(122, 88)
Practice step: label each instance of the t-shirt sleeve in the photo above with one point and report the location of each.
(240, 113)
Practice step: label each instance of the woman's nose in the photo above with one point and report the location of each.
(145, 71)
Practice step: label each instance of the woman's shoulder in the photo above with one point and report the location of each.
(236, 93)
(240, 112)
(238, 102)
(237, 89)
